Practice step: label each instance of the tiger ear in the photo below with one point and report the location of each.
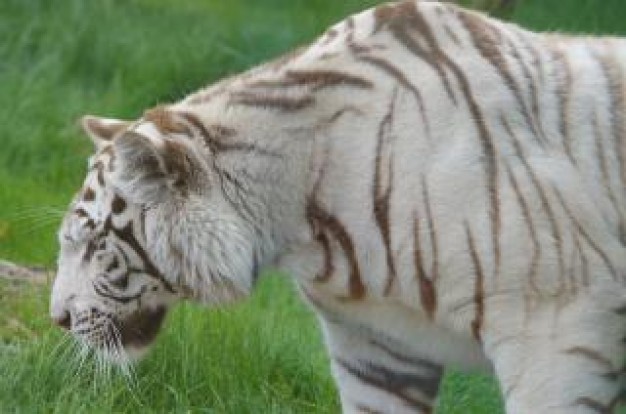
(102, 130)
(149, 170)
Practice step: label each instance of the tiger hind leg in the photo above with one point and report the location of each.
(374, 375)
(569, 360)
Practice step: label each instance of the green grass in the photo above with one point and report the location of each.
(261, 356)
(61, 59)
(251, 358)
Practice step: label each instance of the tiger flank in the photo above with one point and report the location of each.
(445, 190)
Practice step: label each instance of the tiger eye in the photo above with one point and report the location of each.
(120, 281)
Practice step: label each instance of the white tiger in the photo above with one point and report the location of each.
(444, 188)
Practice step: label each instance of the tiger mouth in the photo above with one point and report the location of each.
(142, 327)
(110, 335)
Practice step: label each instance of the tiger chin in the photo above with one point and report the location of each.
(443, 188)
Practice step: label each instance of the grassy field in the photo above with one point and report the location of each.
(60, 59)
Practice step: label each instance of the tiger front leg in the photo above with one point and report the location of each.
(567, 359)
(376, 375)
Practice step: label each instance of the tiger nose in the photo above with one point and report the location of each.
(63, 320)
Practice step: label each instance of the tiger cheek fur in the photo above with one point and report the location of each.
(108, 292)
(445, 189)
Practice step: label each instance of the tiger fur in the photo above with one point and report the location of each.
(444, 188)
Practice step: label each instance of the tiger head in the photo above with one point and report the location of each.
(147, 228)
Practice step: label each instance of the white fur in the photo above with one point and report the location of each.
(534, 333)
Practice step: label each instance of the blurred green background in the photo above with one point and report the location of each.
(60, 59)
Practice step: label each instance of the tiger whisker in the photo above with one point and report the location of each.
(63, 348)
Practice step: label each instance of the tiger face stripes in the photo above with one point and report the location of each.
(444, 188)
(104, 257)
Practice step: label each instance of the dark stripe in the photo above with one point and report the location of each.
(214, 137)
(108, 150)
(536, 63)
(615, 88)
(328, 222)
(177, 163)
(328, 55)
(119, 281)
(142, 222)
(338, 114)
(564, 92)
(89, 251)
(103, 290)
(601, 408)
(393, 383)
(399, 18)
(331, 34)
(592, 404)
(267, 101)
(328, 259)
(572, 272)
(318, 305)
(113, 265)
(485, 39)
(122, 253)
(606, 181)
(536, 255)
(401, 78)
(100, 173)
(89, 222)
(236, 194)
(486, 140)
(451, 34)
(586, 236)
(325, 222)
(404, 380)
(316, 79)
(89, 194)
(583, 260)
(323, 240)
(165, 122)
(545, 204)
(118, 205)
(350, 42)
(81, 212)
(428, 297)
(381, 194)
(436, 370)
(126, 235)
(98, 165)
(318, 231)
(479, 289)
(590, 354)
(432, 231)
(384, 14)
(530, 81)
(367, 410)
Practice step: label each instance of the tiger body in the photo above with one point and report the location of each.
(445, 189)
